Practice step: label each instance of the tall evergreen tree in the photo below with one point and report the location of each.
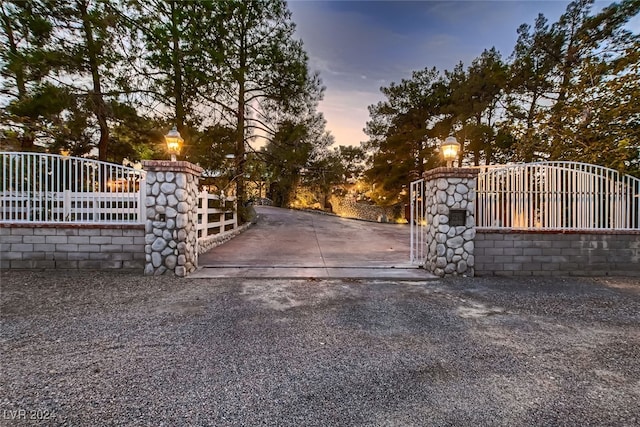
(262, 74)
(26, 57)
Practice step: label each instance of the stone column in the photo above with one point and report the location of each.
(171, 217)
(451, 229)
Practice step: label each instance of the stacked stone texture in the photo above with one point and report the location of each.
(349, 208)
(171, 218)
(450, 249)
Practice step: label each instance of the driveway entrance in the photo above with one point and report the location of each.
(287, 243)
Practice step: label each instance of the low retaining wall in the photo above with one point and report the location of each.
(546, 253)
(66, 246)
(349, 208)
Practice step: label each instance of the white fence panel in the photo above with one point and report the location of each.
(217, 215)
(49, 188)
(557, 196)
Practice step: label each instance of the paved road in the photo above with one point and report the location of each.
(288, 243)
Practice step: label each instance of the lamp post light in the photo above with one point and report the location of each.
(450, 148)
(174, 143)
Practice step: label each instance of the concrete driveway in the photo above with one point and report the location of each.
(289, 243)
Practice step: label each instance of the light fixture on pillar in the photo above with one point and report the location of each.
(174, 143)
(450, 148)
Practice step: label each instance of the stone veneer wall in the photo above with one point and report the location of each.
(67, 246)
(547, 253)
(450, 249)
(350, 208)
(171, 217)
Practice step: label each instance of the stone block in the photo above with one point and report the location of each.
(110, 248)
(89, 232)
(34, 239)
(504, 244)
(46, 264)
(168, 188)
(78, 256)
(133, 265)
(110, 265)
(522, 273)
(513, 251)
(11, 255)
(88, 248)
(67, 265)
(120, 256)
(56, 239)
(544, 273)
(100, 240)
(111, 232)
(503, 273)
(89, 264)
(134, 248)
(532, 251)
(66, 247)
(494, 251)
(22, 231)
(67, 232)
(522, 259)
(79, 240)
(122, 240)
(511, 266)
(531, 266)
(21, 247)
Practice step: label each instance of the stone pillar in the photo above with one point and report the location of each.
(171, 217)
(451, 229)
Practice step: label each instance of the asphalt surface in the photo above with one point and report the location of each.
(287, 243)
(94, 349)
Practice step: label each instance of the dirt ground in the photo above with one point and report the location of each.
(97, 348)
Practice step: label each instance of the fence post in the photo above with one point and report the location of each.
(142, 195)
(204, 211)
(450, 195)
(171, 234)
(66, 205)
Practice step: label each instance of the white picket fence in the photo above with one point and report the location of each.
(217, 215)
(557, 196)
(50, 188)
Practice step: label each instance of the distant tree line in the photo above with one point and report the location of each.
(569, 91)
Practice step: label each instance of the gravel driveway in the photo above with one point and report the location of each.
(99, 349)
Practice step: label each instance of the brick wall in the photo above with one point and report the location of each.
(25, 246)
(524, 253)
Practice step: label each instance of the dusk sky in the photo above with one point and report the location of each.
(359, 46)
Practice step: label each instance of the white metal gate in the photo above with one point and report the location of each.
(557, 196)
(417, 221)
(50, 188)
(541, 196)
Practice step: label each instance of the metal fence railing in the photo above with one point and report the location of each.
(418, 222)
(557, 196)
(51, 188)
